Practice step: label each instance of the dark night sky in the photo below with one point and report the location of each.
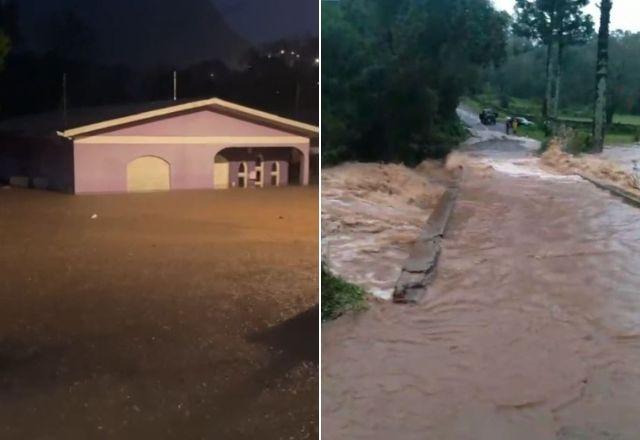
(266, 20)
(151, 32)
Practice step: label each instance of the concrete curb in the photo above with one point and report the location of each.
(628, 196)
(419, 269)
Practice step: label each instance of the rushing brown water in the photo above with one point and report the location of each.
(180, 315)
(531, 329)
(371, 215)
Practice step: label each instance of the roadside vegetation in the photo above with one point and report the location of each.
(339, 296)
(624, 129)
(394, 72)
(557, 83)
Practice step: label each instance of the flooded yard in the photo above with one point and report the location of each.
(186, 315)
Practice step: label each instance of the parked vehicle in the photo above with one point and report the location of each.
(524, 121)
(488, 116)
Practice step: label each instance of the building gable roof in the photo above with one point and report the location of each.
(213, 103)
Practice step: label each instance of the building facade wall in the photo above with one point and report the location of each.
(197, 123)
(101, 168)
(189, 142)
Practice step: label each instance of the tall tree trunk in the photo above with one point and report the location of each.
(602, 71)
(558, 80)
(551, 67)
(547, 96)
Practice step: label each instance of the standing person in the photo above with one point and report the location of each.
(514, 125)
(508, 124)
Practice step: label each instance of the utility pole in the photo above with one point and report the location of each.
(64, 99)
(175, 85)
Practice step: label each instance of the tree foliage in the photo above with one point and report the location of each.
(8, 29)
(523, 74)
(394, 71)
(555, 24)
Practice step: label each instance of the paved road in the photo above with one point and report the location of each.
(530, 331)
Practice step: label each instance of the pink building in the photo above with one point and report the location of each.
(204, 144)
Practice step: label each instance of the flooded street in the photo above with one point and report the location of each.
(623, 156)
(178, 315)
(531, 329)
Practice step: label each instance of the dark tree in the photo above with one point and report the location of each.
(394, 72)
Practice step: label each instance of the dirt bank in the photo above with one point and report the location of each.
(371, 214)
(186, 315)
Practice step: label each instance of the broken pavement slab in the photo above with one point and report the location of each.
(419, 269)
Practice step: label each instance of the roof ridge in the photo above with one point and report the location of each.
(259, 114)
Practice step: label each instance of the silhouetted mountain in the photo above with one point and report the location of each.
(139, 33)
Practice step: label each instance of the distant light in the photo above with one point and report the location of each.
(282, 52)
(298, 56)
(317, 61)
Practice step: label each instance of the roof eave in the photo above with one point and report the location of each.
(86, 130)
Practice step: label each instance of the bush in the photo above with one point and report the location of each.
(579, 142)
(339, 296)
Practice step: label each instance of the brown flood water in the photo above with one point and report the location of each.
(371, 214)
(531, 329)
(181, 315)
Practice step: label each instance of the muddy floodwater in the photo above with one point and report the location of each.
(182, 315)
(531, 329)
(371, 214)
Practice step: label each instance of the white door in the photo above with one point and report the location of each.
(220, 172)
(148, 173)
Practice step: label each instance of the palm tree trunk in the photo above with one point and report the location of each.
(602, 71)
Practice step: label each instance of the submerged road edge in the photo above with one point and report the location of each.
(419, 269)
(627, 196)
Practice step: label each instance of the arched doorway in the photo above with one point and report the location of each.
(259, 182)
(243, 175)
(148, 173)
(275, 174)
(220, 172)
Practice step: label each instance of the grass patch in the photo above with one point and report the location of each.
(534, 132)
(627, 119)
(339, 296)
(620, 139)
